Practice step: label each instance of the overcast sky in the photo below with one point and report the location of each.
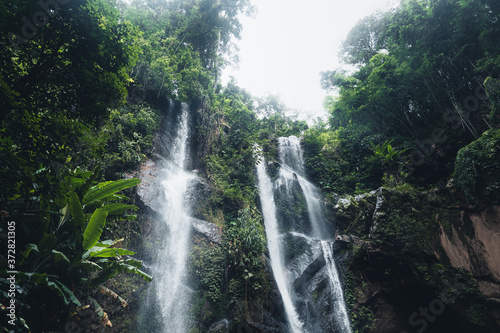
(289, 42)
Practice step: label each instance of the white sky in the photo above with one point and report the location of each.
(287, 45)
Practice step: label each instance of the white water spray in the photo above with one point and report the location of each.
(170, 293)
(275, 251)
(338, 295)
(292, 167)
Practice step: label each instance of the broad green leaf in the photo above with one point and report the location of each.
(64, 292)
(77, 181)
(103, 190)
(84, 188)
(88, 265)
(120, 267)
(113, 252)
(64, 215)
(133, 262)
(30, 247)
(59, 256)
(118, 208)
(77, 213)
(116, 197)
(106, 243)
(125, 268)
(47, 243)
(106, 252)
(69, 293)
(94, 228)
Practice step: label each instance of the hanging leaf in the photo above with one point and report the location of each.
(87, 265)
(59, 256)
(106, 243)
(118, 208)
(103, 252)
(47, 243)
(94, 228)
(67, 295)
(27, 251)
(97, 307)
(103, 190)
(77, 213)
(89, 181)
(125, 268)
(64, 212)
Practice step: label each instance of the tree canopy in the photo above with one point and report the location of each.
(418, 79)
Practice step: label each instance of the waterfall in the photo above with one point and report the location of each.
(167, 303)
(273, 243)
(315, 234)
(339, 307)
(291, 158)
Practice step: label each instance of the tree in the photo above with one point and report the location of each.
(365, 39)
(62, 65)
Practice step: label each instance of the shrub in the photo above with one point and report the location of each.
(477, 171)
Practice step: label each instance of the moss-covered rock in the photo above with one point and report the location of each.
(397, 268)
(477, 168)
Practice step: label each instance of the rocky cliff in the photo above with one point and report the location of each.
(420, 261)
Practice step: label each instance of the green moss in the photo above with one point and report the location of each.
(492, 87)
(361, 316)
(477, 171)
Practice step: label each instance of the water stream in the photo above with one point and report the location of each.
(291, 181)
(168, 293)
(274, 246)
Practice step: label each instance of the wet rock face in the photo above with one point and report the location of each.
(148, 189)
(222, 326)
(211, 231)
(292, 208)
(474, 243)
(408, 250)
(311, 285)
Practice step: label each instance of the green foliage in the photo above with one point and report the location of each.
(232, 273)
(477, 172)
(413, 64)
(341, 161)
(69, 253)
(183, 43)
(365, 40)
(56, 85)
(94, 228)
(361, 317)
(128, 137)
(208, 265)
(245, 243)
(390, 158)
(406, 226)
(492, 88)
(230, 163)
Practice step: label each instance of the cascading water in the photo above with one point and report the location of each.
(167, 303)
(291, 159)
(273, 243)
(338, 295)
(292, 167)
(293, 191)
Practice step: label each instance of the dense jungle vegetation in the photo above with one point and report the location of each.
(83, 88)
